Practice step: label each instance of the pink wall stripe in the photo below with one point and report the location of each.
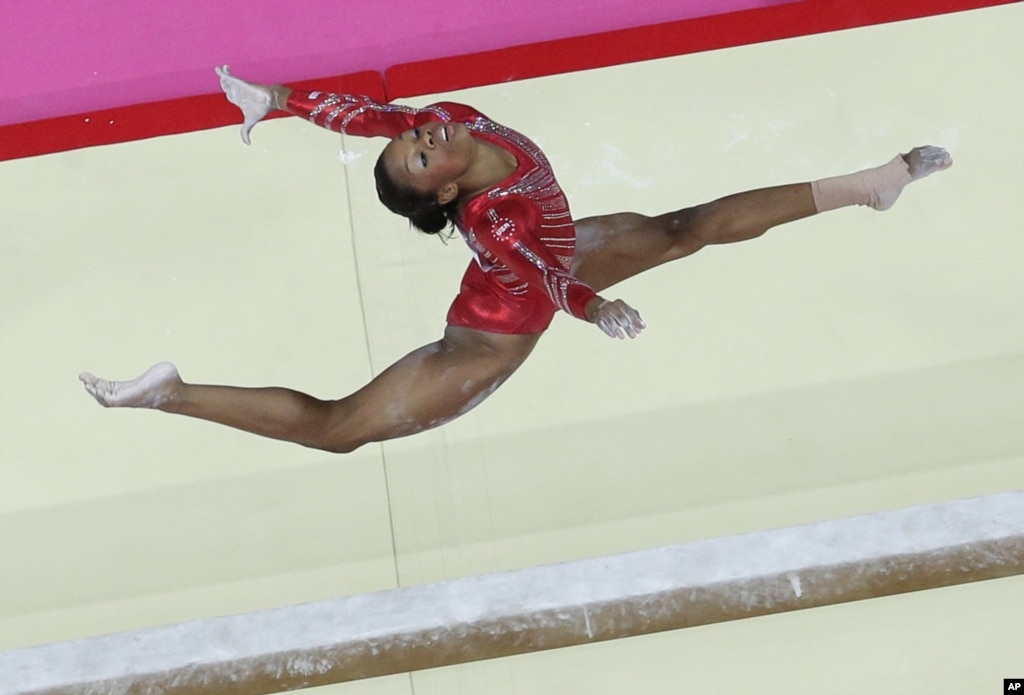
(59, 57)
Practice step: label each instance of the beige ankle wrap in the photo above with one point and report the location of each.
(877, 188)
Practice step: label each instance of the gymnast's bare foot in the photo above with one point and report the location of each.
(887, 182)
(923, 161)
(156, 386)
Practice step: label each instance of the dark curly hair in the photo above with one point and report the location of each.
(422, 210)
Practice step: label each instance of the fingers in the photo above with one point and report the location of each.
(619, 320)
(224, 73)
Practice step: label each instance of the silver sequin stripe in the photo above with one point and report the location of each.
(539, 181)
(347, 101)
(512, 282)
(558, 220)
(503, 226)
(569, 226)
(515, 136)
(392, 108)
(557, 283)
(566, 241)
(328, 102)
(521, 141)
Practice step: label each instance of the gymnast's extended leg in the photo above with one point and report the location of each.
(426, 388)
(611, 248)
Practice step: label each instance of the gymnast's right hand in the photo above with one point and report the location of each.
(255, 100)
(616, 318)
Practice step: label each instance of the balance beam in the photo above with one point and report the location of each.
(538, 608)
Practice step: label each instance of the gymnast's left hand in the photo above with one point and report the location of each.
(255, 101)
(616, 318)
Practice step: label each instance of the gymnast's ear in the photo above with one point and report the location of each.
(447, 193)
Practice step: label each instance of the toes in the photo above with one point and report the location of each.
(938, 155)
(100, 397)
(927, 160)
(94, 386)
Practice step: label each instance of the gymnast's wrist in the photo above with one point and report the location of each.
(279, 95)
(594, 306)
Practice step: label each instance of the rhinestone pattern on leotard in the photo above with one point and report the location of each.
(498, 225)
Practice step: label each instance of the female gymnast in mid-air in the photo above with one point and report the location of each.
(449, 165)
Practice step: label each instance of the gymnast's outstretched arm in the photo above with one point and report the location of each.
(351, 114)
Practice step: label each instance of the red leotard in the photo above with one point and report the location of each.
(521, 231)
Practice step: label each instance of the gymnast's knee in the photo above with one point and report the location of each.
(685, 230)
(342, 432)
(358, 422)
(336, 442)
(339, 445)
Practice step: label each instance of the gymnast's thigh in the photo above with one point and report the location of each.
(432, 385)
(611, 248)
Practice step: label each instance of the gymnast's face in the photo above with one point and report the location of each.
(431, 158)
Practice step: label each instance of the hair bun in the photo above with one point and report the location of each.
(430, 221)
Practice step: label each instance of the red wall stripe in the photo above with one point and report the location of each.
(491, 67)
(157, 118)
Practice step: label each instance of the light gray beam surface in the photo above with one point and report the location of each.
(540, 608)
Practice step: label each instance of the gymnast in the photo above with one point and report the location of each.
(448, 165)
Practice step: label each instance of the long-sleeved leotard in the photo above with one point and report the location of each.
(520, 231)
